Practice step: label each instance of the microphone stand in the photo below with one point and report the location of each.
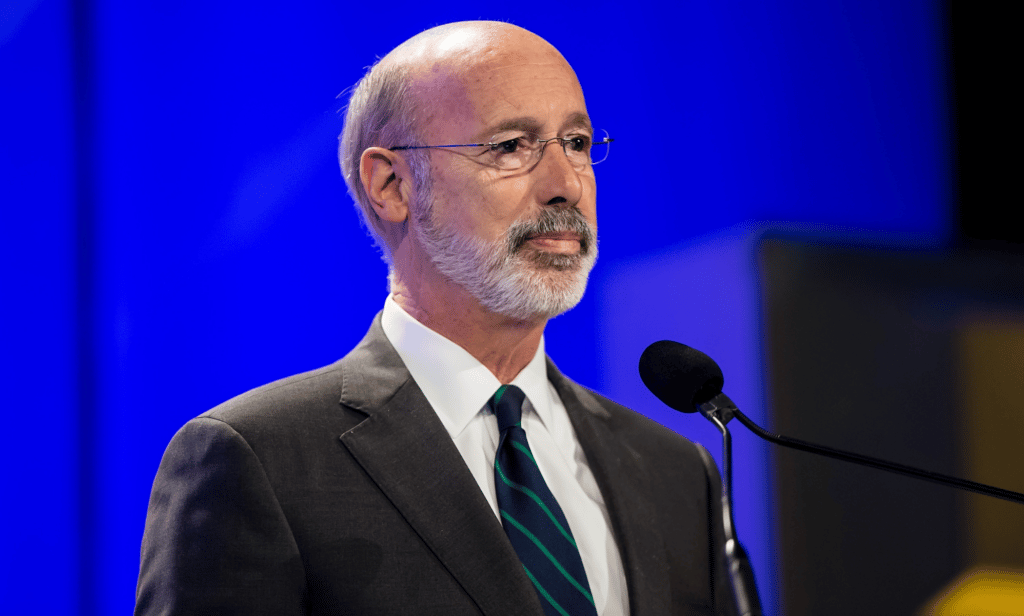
(674, 371)
(741, 575)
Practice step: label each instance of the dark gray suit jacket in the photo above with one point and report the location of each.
(338, 491)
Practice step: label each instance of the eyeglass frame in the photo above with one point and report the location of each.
(542, 145)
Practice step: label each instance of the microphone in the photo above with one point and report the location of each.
(674, 372)
(682, 377)
(687, 380)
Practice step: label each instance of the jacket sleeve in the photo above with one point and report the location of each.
(216, 539)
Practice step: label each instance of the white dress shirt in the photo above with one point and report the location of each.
(458, 387)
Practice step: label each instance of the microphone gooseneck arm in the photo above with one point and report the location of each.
(903, 469)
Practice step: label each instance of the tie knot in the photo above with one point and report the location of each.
(507, 404)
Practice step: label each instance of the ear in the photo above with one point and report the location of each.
(387, 181)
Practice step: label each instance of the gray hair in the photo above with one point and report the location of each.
(384, 112)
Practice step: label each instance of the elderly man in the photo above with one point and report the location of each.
(445, 466)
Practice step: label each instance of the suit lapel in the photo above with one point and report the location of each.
(406, 451)
(620, 474)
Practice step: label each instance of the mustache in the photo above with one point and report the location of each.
(553, 220)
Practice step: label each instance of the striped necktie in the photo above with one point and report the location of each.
(532, 518)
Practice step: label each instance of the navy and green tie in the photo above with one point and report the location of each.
(532, 518)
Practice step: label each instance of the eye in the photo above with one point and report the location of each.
(578, 143)
(511, 149)
(508, 146)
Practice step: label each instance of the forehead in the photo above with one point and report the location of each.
(504, 84)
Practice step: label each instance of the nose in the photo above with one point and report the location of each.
(558, 181)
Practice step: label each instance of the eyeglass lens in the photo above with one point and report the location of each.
(519, 152)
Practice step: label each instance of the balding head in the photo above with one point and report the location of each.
(400, 97)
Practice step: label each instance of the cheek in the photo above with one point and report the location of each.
(588, 204)
(461, 204)
(487, 207)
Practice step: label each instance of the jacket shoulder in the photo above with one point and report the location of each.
(643, 437)
(363, 378)
(303, 397)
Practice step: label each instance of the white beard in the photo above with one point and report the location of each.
(506, 276)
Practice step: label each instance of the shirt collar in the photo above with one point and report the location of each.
(455, 384)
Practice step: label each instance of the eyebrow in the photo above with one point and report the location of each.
(530, 124)
(578, 120)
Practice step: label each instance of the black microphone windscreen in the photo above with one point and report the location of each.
(680, 376)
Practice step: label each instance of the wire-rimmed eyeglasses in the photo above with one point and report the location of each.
(513, 150)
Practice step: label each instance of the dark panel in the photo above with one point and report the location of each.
(985, 53)
(863, 357)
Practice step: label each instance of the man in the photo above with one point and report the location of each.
(386, 482)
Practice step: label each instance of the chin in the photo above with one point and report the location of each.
(545, 287)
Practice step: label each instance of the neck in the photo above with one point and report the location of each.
(502, 344)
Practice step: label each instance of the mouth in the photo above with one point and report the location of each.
(563, 242)
(558, 236)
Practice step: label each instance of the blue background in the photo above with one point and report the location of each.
(175, 229)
